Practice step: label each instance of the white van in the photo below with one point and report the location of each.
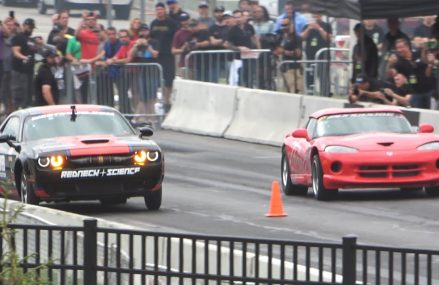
(122, 8)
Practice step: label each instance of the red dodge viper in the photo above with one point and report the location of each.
(359, 148)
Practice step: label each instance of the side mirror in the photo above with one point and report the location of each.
(146, 132)
(301, 134)
(426, 128)
(6, 138)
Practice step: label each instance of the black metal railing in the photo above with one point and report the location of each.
(93, 255)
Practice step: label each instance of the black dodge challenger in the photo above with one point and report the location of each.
(78, 152)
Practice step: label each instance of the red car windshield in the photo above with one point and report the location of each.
(358, 123)
(85, 123)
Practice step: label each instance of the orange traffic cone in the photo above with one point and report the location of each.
(276, 207)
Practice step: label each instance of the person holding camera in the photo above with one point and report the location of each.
(23, 50)
(418, 73)
(367, 89)
(145, 50)
(316, 35)
(61, 25)
(290, 49)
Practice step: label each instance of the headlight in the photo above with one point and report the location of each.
(140, 157)
(56, 161)
(429, 146)
(43, 161)
(340, 149)
(152, 155)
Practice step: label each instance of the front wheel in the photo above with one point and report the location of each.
(27, 192)
(153, 199)
(287, 185)
(320, 192)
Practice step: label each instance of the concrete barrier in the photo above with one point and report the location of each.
(264, 116)
(201, 108)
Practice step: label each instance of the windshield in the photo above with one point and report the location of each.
(85, 123)
(348, 124)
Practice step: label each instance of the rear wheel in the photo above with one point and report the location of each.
(27, 192)
(287, 185)
(113, 200)
(432, 191)
(42, 8)
(153, 199)
(320, 192)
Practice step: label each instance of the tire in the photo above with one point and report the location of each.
(153, 199)
(320, 192)
(432, 191)
(113, 200)
(42, 7)
(27, 193)
(123, 12)
(287, 185)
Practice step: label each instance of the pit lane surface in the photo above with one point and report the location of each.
(222, 187)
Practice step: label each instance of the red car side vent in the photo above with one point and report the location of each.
(385, 143)
(93, 141)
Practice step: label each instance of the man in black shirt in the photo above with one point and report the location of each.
(46, 86)
(418, 73)
(61, 25)
(242, 38)
(163, 29)
(174, 10)
(364, 55)
(317, 35)
(23, 50)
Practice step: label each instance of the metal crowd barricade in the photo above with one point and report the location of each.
(253, 70)
(134, 89)
(328, 76)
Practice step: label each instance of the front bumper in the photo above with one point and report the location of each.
(97, 182)
(380, 169)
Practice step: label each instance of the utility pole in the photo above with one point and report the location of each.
(109, 13)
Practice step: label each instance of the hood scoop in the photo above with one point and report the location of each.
(95, 141)
(386, 143)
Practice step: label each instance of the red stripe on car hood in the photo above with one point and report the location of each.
(80, 146)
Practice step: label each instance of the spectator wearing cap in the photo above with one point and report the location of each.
(174, 9)
(218, 34)
(295, 17)
(145, 50)
(364, 54)
(8, 29)
(180, 46)
(163, 29)
(61, 26)
(366, 89)
(46, 86)
(23, 50)
(203, 15)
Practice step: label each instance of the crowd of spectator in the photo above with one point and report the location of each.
(388, 68)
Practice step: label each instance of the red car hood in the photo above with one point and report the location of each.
(380, 141)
